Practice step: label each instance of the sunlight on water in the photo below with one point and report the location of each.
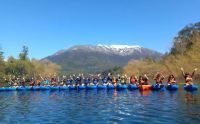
(100, 107)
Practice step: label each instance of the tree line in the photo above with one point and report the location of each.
(23, 67)
(183, 53)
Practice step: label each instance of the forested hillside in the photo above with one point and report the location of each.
(23, 67)
(184, 53)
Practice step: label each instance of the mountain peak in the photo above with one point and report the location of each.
(122, 50)
(119, 46)
(97, 58)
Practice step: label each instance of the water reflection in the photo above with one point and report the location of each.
(190, 97)
(100, 106)
(173, 93)
(145, 93)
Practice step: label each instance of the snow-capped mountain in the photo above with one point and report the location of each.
(122, 50)
(97, 58)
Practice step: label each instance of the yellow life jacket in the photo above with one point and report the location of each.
(123, 80)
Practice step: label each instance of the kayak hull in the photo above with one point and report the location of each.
(91, 87)
(157, 87)
(72, 88)
(22, 88)
(36, 88)
(191, 87)
(145, 87)
(2, 88)
(10, 89)
(132, 87)
(44, 88)
(81, 87)
(121, 87)
(101, 87)
(172, 87)
(63, 88)
(54, 87)
(110, 87)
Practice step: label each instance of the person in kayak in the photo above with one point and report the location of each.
(8, 81)
(95, 81)
(171, 79)
(159, 78)
(62, 82)
(78, 80)
(87, 81)
(114, 80)
(133, 79)
(15, 84)
(53, 82)
(123, 79)
(32, 82)
(38, 83)
(104, 80)
(69, 82)
(188, 77)
(143, 80)
(18, 81)
(22, 81)
(45, 81)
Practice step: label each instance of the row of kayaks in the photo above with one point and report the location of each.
(170, 87)
(90, 87)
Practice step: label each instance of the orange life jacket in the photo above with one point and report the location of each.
(114, 80)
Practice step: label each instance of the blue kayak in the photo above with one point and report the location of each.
(2, 88)
(44, 88)
(172, 87)
(122, 87)
(101, 87)
(28, 88)
(81, 87)
(10, 88)
(132, 87)
(36, 87)
(21, 88)
(158, 87)
(64, 87)
(91, 87)
(72, 88)
(191, 87)
(24, 88)
(110, 87)
(54, 87)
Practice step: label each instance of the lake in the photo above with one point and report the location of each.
(100, 106)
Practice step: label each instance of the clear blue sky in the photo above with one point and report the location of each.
(47, 26)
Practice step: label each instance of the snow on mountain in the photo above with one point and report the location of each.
(98, 58)
(122, 50)
(119, 46)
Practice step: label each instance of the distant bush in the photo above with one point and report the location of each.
(184, 53)
(24, 67)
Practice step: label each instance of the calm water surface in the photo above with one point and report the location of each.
(83, 107)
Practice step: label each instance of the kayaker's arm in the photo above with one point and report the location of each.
(183, 73)
(155, 76)
(146, 77)
(41, 77)
(163, 77)
(194, 72)
(136, 78)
